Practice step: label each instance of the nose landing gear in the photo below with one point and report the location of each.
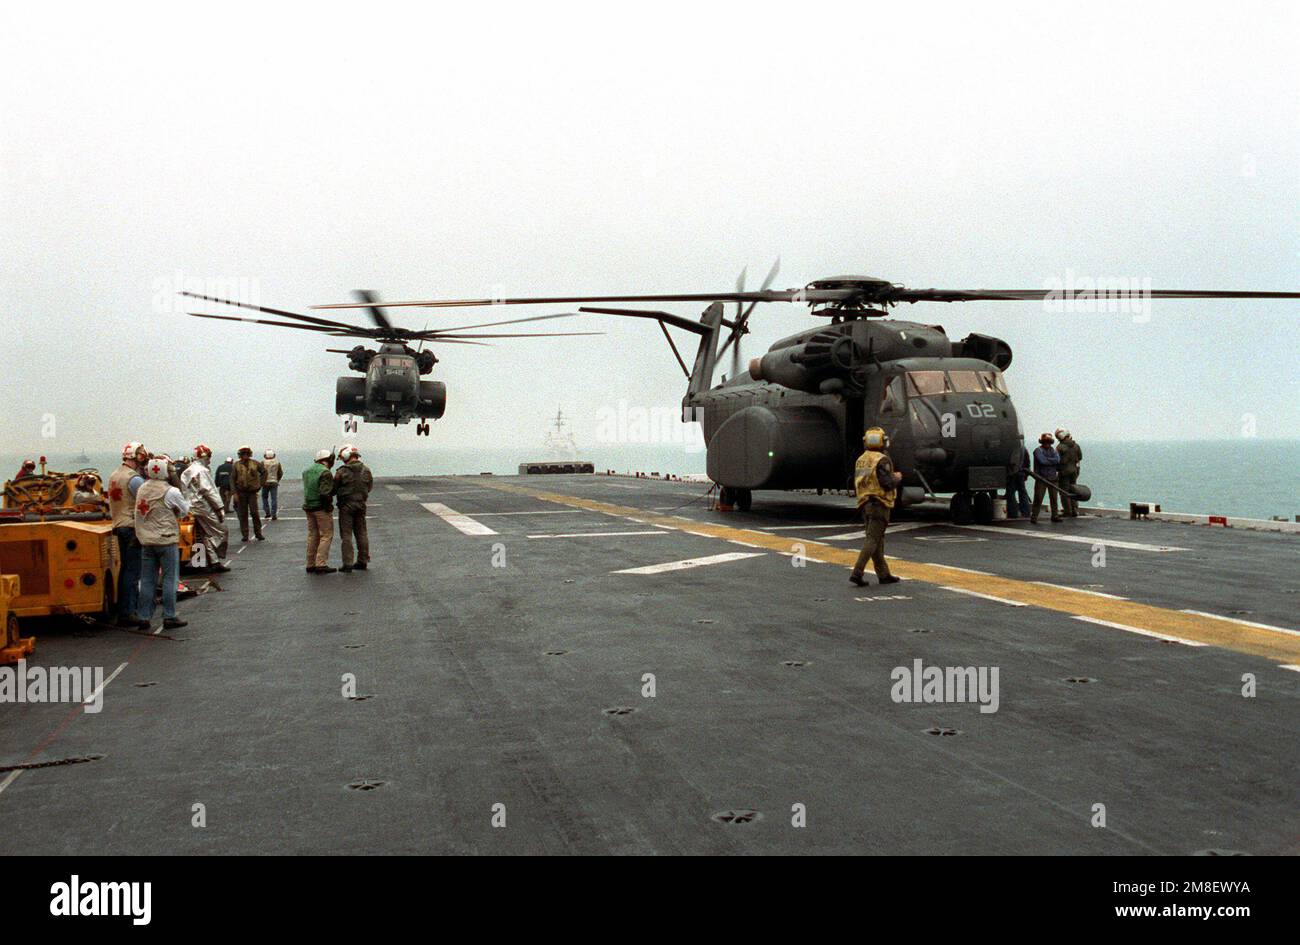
(350, 425)
(421, 429)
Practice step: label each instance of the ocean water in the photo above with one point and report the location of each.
(1246, 478)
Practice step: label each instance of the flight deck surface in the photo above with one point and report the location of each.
(507, 624)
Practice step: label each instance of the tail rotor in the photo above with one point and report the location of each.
(740, 326)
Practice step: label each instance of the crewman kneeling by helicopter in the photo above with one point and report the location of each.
(876, 484)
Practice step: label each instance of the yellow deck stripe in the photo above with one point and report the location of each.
(1271, 644)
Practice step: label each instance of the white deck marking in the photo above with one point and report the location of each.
(790, 528)
(691, 563)
(1081, 590)
(1138, 630)
(596, 534)
(13, 776)
(462, 523)
(1244, 623)
(954, 567)
(1080, 539)
(408, 496)
(1290, 666)
(104, 685)
(910, 526)
(543, 512)
(1000, 600)
(859, 535)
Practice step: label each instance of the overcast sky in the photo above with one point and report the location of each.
(550, 148)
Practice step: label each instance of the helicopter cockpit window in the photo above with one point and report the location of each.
(892, 402)
(993, 381)
(927, 383)
(967, 382)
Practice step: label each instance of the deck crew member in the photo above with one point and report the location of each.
(223, 482)
(28, 468)
(317, 492)
(1047, 464)
(246, 480)
(1017, 495)
(206, 507)
(274, 472)
(352, 485)
(1071, 457)
(159, 506)
(121, 508)
(85, 493)
(876, 484)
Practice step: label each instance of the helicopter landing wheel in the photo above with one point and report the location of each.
(744, 499)
(421, 429)
(960, 509)
(983, 508)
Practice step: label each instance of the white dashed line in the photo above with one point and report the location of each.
(545, 512)
(1244, 623)
(1081, 590)
(690, 563)
(595, 534)
(1000, 600)
(1080, 539)
(1137, 630)
(104, 685)
(462, 523)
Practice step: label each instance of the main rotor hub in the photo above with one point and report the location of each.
(868, 291)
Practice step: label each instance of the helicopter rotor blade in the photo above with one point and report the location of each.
(769, 295)
(370, 302)
(358, 333)
(271, 311)
(742, 321)
(548, 334)
(902, 294)
(512, 321)
(740, 324)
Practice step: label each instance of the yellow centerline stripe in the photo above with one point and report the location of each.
(1213, 631)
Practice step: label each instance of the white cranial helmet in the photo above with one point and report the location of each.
(324, 454)
(158, 468)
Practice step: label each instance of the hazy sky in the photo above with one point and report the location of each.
(429, 151)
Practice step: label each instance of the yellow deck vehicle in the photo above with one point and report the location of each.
(64, 567)
(13, 647)
(64, 553)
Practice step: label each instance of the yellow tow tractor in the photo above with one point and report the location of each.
(63, 552)
(14, 646)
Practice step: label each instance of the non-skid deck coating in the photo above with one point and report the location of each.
(503, 617)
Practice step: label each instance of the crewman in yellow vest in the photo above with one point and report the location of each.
(876, 484)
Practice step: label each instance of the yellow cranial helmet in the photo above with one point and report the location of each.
(875, 439)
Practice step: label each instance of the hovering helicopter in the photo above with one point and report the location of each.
(391, 390)
(795, 419)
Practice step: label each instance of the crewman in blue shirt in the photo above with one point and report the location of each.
(1047, 464)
